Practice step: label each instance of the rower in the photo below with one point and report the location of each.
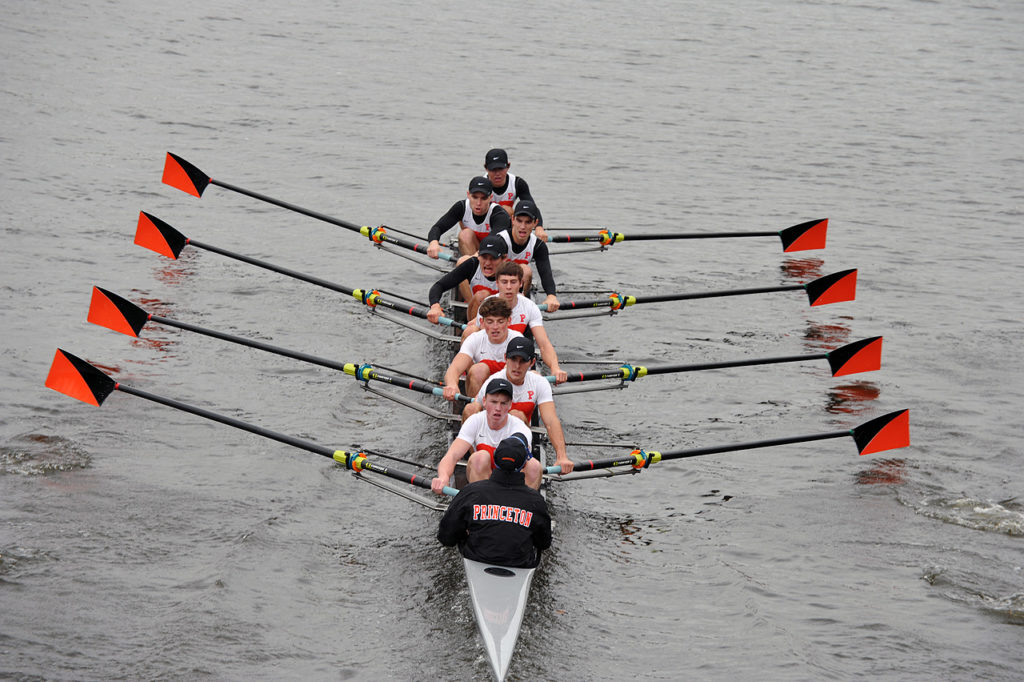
(483, 352)
(524, 246)
(480, 435)
(525, 316)
(474, 277)
(507, 188)
(499, 520)
(530, 391)
(476, 215)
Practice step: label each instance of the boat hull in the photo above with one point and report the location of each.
(499, 595)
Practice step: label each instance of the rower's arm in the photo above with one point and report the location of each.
(446, 222)
(543, 260)
(450, 280)
(460, 364)
(555, 435)
(446, 467)
(547, 353)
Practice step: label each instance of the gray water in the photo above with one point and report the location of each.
(139, 542)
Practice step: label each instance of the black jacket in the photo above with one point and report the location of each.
(498, 521)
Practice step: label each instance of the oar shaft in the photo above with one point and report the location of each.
(632, 373)
(618, 236)
(368, 373)
(716, 294)
(274, 268)
(291, 207)
(767, 443)
(351, 460)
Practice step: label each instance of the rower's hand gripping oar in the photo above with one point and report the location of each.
(75, 377)
(835, 288)
(887, 432)
(157, 235)
(181, 174)
(109, 310)
(803, 237)
(860, 356)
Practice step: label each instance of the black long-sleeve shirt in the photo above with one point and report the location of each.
(499, 220)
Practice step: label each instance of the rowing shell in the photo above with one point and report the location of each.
(499, 596)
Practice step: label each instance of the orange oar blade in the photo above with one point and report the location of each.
(805, 236)
(887, 432)
(156, 235)
(860, 356)
(834, 288)
(113, 312)
(182, 175)
(77, 378)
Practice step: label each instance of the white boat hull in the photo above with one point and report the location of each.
(499, 595)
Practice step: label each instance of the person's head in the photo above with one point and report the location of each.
(525, 218)
(491, 253)
(497, 401)
(520, 356)
(497, 165)
(495, 314)
(509, 278)
(511, 453)
(479, 194)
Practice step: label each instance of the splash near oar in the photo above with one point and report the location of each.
(181, 174)
(114, 312)
(157, 235)
(78, 379)
(805, 236)
(860, 356)
(835, 288)
(888, 432)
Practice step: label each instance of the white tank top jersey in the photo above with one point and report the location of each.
(522, 257)
(480, 349)
(535, 391)
(480, 436)
(482, 229)
(525, 315)
(508, 197)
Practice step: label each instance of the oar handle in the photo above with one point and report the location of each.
(372, 298)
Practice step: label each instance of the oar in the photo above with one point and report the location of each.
(860, 356)
(109, 310)
(834, 288)
(181, 174)
(75, 377)
(802, 237)
(157, 235)
(887, 432)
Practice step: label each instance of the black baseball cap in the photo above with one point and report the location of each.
(480, 184)
(499, 385)
(493, 245)
(496, 158)
(527, 207)
(512, 453)
(522, 347)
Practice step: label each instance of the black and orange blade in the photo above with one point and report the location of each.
(182, 175)
(156, 235)
(75, 377)
(860, 356)
(805, 236)
(834, 288)
(887, 432)
(109, 310)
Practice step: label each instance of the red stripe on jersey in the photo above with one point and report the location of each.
(494, 365)
(526, 408)
(481, 287)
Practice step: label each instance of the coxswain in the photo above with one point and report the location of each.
(499, 520)
(473, 276)
(525, 316)
(483, 352)
(524, 247)
(508, 188)
(530, 392)
(480, 435)
(476, 215)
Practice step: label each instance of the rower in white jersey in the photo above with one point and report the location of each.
(507, 188)
(483, 352)
(525, 315)
(524, 247)
(530, 392)
(476, 215)
(480, 435)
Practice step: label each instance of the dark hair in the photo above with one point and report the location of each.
(495, 307)
(510, 267)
